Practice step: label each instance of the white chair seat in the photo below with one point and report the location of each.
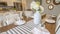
(50, 20)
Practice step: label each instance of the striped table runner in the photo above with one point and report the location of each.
(22, 29)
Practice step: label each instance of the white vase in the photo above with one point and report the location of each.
(37, 18)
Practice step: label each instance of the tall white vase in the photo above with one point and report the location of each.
(37, 18)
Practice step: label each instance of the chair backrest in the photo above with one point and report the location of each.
(1, 19)
(28, 13)
(20, 14)
(8, 18)
(1, 16)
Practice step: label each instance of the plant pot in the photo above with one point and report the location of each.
(37, 18)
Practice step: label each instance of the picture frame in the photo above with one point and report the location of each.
(48, 1)
(56, 2)
(50, 7)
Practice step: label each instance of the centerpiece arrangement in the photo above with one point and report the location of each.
(38, 9)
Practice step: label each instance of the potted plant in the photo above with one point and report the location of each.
(35, 6)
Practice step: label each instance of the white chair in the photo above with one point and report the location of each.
(49, 19)
(8, 19)
(57, 30)
(1, 19)
(12, 18)
(29, 14)
(20, 14)
(18, 19)
(15, 18)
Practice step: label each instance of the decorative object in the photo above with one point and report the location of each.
(56, 2)
(48, 1)
(37, 18)
(38, 10)
(50, 7)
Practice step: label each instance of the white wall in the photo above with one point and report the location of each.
(55, 11)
